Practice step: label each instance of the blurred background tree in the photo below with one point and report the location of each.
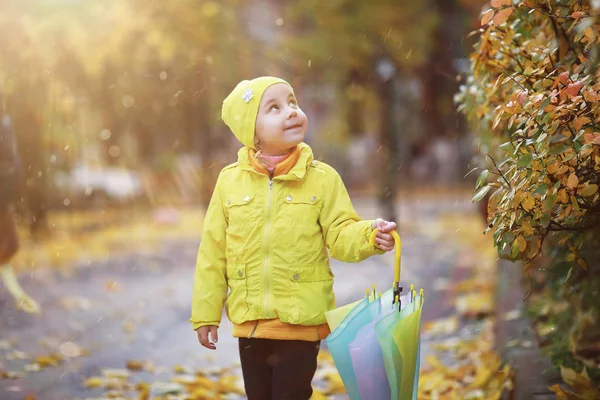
(134, 89)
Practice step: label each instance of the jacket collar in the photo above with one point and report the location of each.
(296, 173)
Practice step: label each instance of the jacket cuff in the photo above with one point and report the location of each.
(197, 325)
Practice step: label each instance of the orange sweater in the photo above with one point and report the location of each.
(274, 328)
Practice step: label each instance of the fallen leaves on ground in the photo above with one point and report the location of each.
(186, 383)
(83, 236)
(463, 364)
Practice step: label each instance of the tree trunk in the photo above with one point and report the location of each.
(388, 152)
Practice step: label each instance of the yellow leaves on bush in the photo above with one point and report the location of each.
(579, 122)
(589, 190)
(521, 243)
(528, 203)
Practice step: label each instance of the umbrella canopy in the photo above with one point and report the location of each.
(398, 336)
(338, 341)
(367, 359)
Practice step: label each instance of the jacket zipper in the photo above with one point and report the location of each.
(266, 253)
(266, 247)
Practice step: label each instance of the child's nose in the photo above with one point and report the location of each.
(292, 113)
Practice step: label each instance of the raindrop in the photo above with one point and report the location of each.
(209, 60)
(39, 174)
(128, 101)
(66, 202)
(163, 76)
(53, 158)
(279, 21)
(114, 151)
(309, 63)
(88, 191)
(67, 147)
(105, 134)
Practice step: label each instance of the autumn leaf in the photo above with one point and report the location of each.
(500, 3)
(93, 382)
(589, 190)
(486, 17)
(573, 88)
(572, 181)
(502, 16)
(528, 203)
(577, 14)
(134, 365)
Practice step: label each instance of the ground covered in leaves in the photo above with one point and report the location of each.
(116, 326)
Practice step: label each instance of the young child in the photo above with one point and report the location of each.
(271, 219)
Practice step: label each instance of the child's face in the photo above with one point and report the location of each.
(280, 123)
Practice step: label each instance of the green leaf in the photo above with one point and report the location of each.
(558, 149)
(569, 275)
(480, 194)
(556, 186)
(482, 178)
(545, 220)
(525, 161)
(508, 237)
(543, 188)
(589, 190)
(574, 203)
(545, 103)
(505, 145)
(542, 137)
(550, 201)
(557, 138)
(514, 252)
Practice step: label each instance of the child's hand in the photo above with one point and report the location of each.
(383, 239)
(203, 336)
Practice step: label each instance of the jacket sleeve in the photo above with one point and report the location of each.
(346, 236)
(210, 280)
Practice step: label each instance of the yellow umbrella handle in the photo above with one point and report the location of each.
(398, 252)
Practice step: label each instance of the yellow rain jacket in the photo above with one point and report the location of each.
(266, 241)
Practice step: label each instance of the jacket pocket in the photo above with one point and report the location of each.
(243, 213)
(236, 303)
(301, 208)
(311, 293)
(237, 204)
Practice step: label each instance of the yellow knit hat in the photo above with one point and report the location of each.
(241, 107)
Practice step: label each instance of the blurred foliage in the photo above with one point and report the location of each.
(534, 90)
(138, 84)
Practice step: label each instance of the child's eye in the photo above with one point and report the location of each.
(293, 103)
(274, 107)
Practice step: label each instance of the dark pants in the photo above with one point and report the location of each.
(278, 369)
